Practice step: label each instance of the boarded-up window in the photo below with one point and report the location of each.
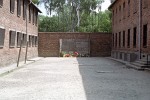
(12, 38)
(30, 40)
(24, 9)
(24, 40)
(12, 6)
(19, 38)
(18, 7)
(1, 3)
(2, 37)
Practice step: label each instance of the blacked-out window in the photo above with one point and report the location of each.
(135, 6)
(116, 40)
(36, 41)
(30, 13)
(18, 7)
(24, 40)
(33, 41)
(33, 16)
(123, 38)
(24, 9)
(19, 39)
(12, 39)
(145, 3)
(36, 18)
(128, 38)
(1, 3)
(134, 37)
(145, 36)
(12, 6)
(119, 39)
(30, 40)
(2, 37)
(128, 7)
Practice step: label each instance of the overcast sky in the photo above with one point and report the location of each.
(105, 5)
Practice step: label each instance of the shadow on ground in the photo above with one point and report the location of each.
(104, 79)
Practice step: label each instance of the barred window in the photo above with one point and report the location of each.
(30, 40)
(145, 36)
(30, 13)
(24, 40)
(2, 37)
(36, 41)
(123, 38)
(128, 38)
(134, 37)
(12, 39)
(24, 9)
(33, 41)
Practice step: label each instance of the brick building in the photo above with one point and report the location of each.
(131, 29)
(18, 22)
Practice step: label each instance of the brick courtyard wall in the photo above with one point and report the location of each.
(125, 17)
(11, 21)
(100, 43)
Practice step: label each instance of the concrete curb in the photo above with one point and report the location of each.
(13, 67)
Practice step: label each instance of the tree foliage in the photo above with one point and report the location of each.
(93, 22)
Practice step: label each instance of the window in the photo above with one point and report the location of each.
(145, 3)
(145, 36)
(134, 6)
(19, 39)
(2, 37)
(33, 41)
(30, 13)
(123, 38)
(119, 39)
(1, 3)
(113, 40)
(24, 9)
(128, 8)
(128, 38)
(120, 13)
(24, 40)
(18, 7)
(36, 41)
(33, 16)
(12, 38)
(30, 40)
(12, 6)
(134, 37)
(124, 10)
(116, 40)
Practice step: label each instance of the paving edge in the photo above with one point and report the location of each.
(17, 68)
(127, 65)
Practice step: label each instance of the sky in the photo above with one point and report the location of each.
(105, 5)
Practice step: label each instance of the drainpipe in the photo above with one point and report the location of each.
(140, 22)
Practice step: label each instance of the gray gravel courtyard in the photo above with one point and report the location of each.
(75, 79)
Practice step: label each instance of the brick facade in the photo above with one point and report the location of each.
(128, 20)
(12, 19)
(100, 43)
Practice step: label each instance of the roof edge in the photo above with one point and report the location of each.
(35, 6)
(112, 4)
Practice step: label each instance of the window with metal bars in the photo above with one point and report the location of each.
(2, 37)
(12, 39)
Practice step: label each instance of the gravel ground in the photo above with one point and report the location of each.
(75, 79)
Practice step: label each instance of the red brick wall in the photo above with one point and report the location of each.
(129, 22)
(10, 21)
(49, 43)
